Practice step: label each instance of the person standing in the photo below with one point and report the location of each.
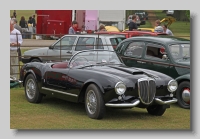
(16, 26)
(158, 28)
(73, 28)
(24, 25)
(132, 24)
(102, 28)
(15, 43)
(167, 31)
(34, 24)
(15, 14)
(30, 20)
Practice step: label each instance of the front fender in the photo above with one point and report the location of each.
(85, 85)
(183, 77)
(30, 72)
(93, 81)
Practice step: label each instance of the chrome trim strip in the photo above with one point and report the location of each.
(59, 91)
(123, 105)
(161, 102)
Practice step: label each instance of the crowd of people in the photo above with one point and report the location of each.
(24, 25)
(158, 27)
(74, 26)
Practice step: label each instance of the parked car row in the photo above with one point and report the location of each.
(149, 72)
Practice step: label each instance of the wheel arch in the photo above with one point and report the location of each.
(180, 80)
(30, 72)
(35, 58)
(86, 84)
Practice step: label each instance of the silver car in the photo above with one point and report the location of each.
(68, 45)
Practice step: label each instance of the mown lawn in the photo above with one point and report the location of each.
(54, 113)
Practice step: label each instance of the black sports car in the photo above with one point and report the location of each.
(99, 79)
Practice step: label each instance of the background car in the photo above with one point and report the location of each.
(68, 45)
(142, 17)
(169, 12)
(169, 55)
(99, 79)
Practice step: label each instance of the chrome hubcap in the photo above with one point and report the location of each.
(30, 88)
(186, 95)
(91, 102)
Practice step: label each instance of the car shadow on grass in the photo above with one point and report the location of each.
(110, 113)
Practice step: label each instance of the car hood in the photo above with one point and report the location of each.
(127, 74)
(36, 52)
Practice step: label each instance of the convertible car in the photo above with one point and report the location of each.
(99, 79)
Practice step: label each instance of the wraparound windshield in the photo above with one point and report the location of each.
(180, 51)
(95, 57)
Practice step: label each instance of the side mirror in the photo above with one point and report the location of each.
(50, 47)
(69, 52)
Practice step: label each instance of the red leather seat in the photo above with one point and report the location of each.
(60, 65)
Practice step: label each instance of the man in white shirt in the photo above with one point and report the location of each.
(167, 31)
(15, 42)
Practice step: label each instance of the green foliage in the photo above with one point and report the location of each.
(187, 13)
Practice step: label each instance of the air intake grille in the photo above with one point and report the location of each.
(146, 90)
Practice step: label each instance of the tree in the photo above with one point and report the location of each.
(187, 13)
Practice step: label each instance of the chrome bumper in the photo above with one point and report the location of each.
(122, 105)
(161, 102)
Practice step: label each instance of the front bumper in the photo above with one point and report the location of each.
(136, 102)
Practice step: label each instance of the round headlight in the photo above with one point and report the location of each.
(120, 88)
(172, 86)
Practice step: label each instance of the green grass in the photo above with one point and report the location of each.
(54, 113)
(147, 25)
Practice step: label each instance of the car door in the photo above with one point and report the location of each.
(132, 54)
(84, 43)
(156, 59)
(62, 49)
(59, 83)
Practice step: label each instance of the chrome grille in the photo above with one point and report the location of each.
(146, 90)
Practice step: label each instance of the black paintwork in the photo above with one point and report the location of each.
(75, 80)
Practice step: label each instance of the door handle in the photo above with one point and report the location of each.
(141, 62)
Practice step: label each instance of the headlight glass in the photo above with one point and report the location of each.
(172, 86)
(120, 88)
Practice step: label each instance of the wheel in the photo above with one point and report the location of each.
(94, 103)
(157, 110)
(183, 94)
(31, 90)
(35, 60)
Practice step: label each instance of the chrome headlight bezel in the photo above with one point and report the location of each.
(118, 86)
(172, 86)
